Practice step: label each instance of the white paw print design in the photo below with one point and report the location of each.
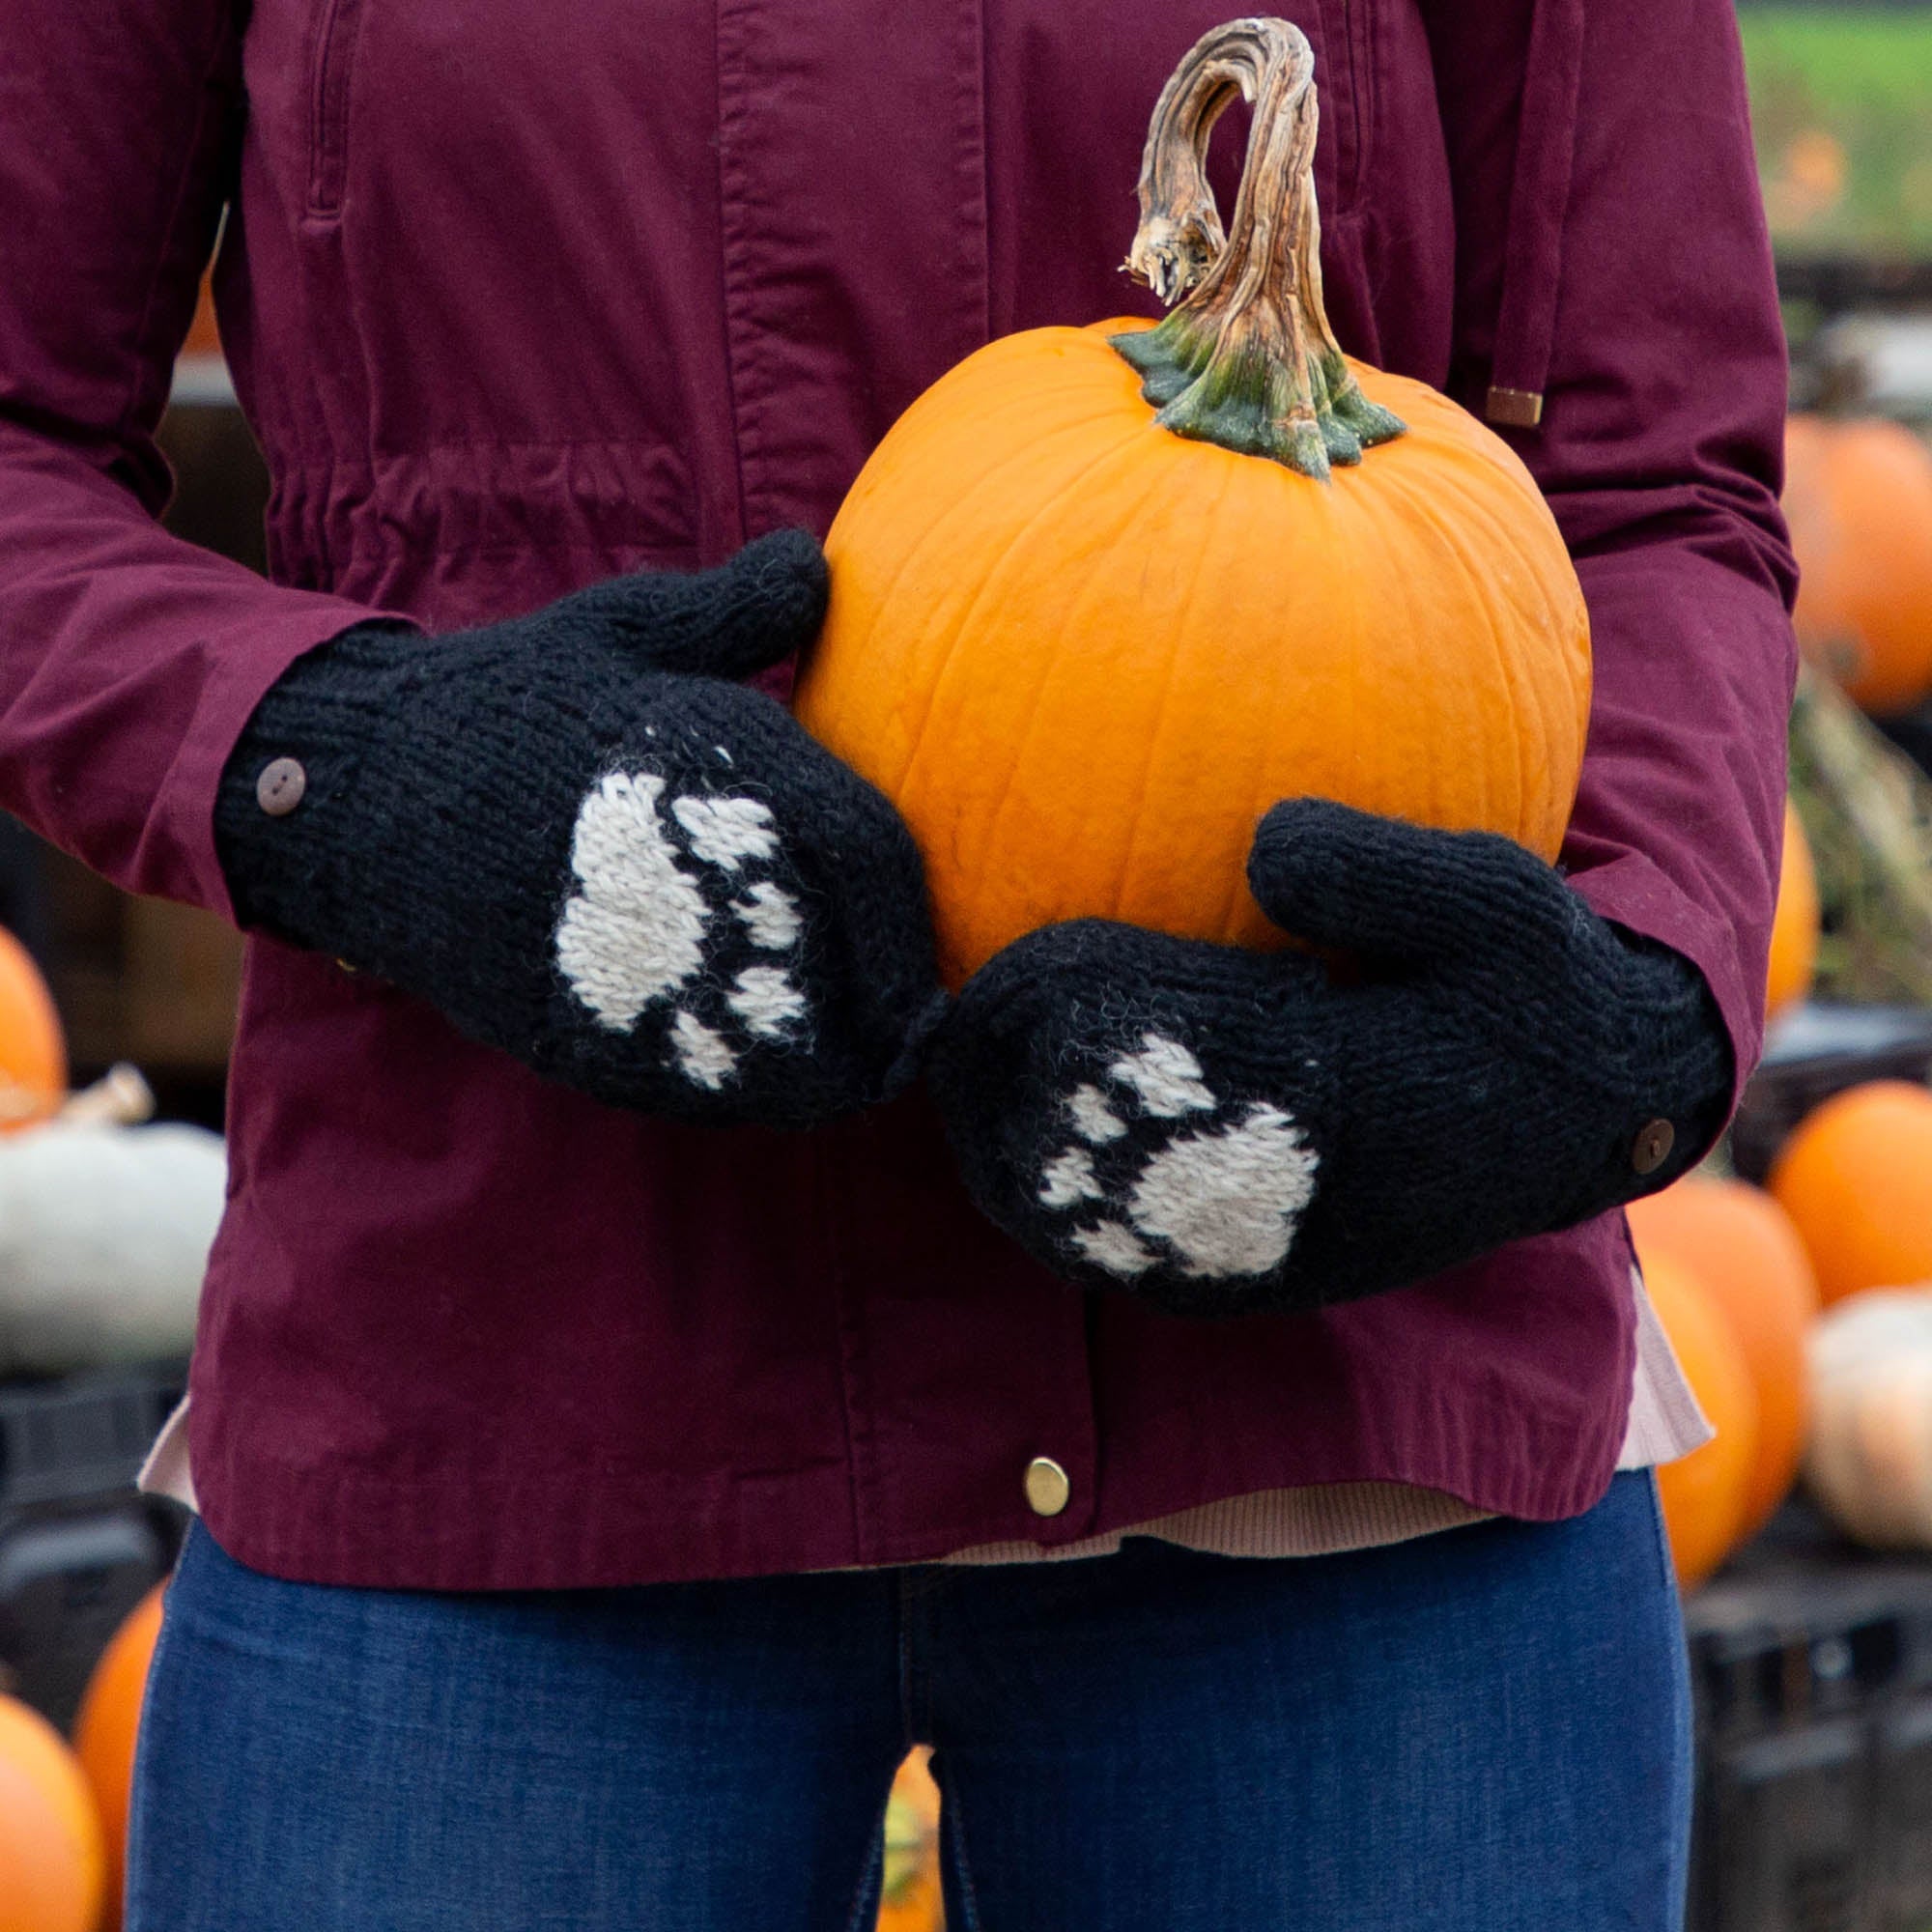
(1222, 1200)
(641, 929)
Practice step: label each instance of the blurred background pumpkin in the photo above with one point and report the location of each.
(1794, 933)
(1749, 1263)
(1856, 1178)
(33, 1049)
(52, 1861)
(1707, 1493)
(105, 1734)
(1858, 496)
(910, 1897)
(1869, 1460)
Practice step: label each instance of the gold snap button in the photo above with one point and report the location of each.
(1652, 1145)
(280, 787)
(1047, 1488)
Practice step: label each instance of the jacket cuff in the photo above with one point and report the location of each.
(310, 733)
(1633, 893)
(229, 705)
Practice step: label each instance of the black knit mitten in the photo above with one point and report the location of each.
(1225, 1131)
(579, 841)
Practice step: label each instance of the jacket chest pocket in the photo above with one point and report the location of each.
(1348, 90)
(330, 58)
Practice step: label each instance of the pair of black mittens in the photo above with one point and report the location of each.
(1480, 1058)
(578, 837)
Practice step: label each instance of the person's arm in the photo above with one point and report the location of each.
(129, 660)
(571, 831)
(1614, 259)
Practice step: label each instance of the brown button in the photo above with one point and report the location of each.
(280, 787)
(1047, 1487)
(1652, 1146)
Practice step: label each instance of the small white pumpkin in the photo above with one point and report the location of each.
(105, 1226)
(1869, 1460)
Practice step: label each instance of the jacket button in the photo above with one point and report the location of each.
(280, 787)
(1047, 1488)
(1652, 1146)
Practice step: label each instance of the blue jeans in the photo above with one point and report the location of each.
(1483, 1728)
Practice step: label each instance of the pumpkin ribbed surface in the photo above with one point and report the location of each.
(1084, 655)
(1103, 596)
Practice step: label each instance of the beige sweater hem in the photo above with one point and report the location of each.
(1318, 1520)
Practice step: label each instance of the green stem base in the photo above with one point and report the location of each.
(1246, 397)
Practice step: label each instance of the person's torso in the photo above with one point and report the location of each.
(517, 302)
(645, 286)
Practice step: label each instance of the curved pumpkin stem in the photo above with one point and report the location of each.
(1247, 360)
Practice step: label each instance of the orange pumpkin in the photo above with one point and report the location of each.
(1748, 1259)
(33, 1050)
(1103, 596)
(51, 1868)
(1794, 930)
(204, 334)
(1706, 1494)
(1856, 1178)
(1858, 496)
(910, 1894)
(105, 1729)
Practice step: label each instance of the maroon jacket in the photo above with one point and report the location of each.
(513, 307)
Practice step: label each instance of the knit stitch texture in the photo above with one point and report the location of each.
(579, 841)
(1469, 1059)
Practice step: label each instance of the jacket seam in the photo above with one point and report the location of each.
(376, 462)
(1366, 103)
(861, 1463)
(727, 358)
(975, 237)
(332, 57)
(354, 553)
(126, 415)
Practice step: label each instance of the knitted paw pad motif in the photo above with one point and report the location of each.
(643, 926)
(1221, 1190)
